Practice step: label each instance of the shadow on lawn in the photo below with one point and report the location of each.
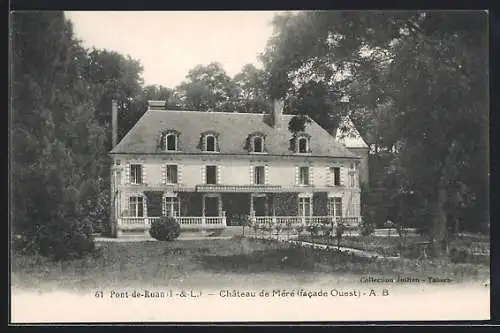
(272, 260)
(284, 260)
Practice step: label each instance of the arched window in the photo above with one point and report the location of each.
(258, 144)
(303, 145)
(210, 143)
(171, 142)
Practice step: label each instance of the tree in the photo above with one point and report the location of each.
(251, 90)
(139, 104)
(112, 75)
(208, 88)
(56, 140)
(420, 78)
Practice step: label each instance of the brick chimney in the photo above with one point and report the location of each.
(114, 123)
(277, 112)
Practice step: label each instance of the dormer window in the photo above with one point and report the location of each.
(169, 140)
(302, 144)
(209, 142)
(258, 144)
(255, 142)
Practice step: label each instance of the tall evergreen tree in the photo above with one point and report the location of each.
(56, 141)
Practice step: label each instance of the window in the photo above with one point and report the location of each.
(259, 175)
(171, 142)
(210, 143)
(136, 174)
(172, 174)
(172, 206)
(303, 145)
(305, 208)
(136, 206)
(258, 144)
(335, 207)
(335, 172)
(211, 173)
(304, 175)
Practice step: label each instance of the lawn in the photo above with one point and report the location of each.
(211, 263)
(391, 246)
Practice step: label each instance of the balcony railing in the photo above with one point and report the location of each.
(348, 221)
(186, 222)
(219, 222)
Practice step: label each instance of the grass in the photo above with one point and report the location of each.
(238, 261)
(390, 246)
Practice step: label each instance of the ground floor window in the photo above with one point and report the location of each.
(335, 206)
(172, 206)
(305, 206)
(212, 205)
(260, 205)
(136, 206)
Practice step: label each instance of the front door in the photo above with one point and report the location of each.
(211, 206)
(259, 206)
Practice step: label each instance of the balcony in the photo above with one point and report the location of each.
(238, 188)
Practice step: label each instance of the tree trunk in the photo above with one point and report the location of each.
(439, 223)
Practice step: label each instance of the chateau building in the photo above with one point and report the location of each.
(213, 169)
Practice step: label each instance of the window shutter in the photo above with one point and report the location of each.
(204, 174)
(343, 175)
(163, 174)
(218, 179)
(311, 175)
(129, 205)
(144, 205)
(329, 176)
(266, 174)
(127, 173)
(297, 176)
(179, 174)
(163, 206)
(252, 180)
(144, 174)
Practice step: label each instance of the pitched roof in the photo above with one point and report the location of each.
(233, 128)
(348, 135)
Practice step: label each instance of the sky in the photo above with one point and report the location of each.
(169, 44)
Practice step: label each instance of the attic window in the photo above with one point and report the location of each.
(171, 142)
(258, 144)
(210, 142)
(303, 145)
(255, 142)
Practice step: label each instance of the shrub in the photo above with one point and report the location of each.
(460, 255)
(326, 229)
(366, 228)
(339, 233)
(313, 229)
(165, 229)
(56, 239)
